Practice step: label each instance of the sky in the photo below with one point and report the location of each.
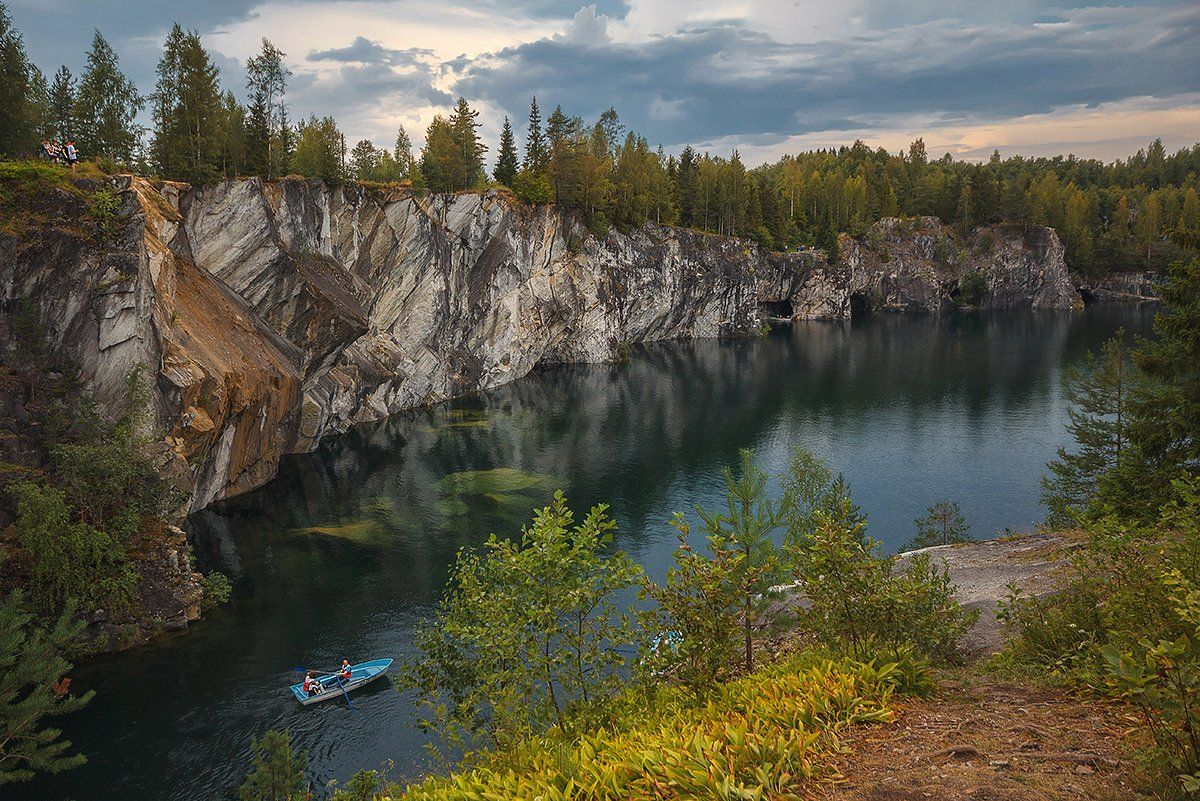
(766, 77)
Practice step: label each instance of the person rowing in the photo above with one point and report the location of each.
(345, 673)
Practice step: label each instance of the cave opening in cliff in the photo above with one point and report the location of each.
(858, 305)
(776, 310)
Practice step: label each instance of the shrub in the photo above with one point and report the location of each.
(856, 598)
(528, 634)
(533, 188)
(761, 736)
(943, 524)
(217, 589)
(972, 289)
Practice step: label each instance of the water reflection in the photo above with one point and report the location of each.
(350, 547)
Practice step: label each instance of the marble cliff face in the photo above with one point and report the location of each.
(272, 314)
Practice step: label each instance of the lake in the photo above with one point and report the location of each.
(349, 548)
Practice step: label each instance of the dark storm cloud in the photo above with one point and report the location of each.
(728, 79)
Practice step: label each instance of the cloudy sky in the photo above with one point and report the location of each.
(764, 76)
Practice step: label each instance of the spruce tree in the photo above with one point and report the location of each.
(62, 104)
(468, 168)
(403, 152)
(166, 147)
(17, 100)
(506, 161)
(34, 687)
(536, 155)
(364, 159)
(1099, 396)
(106, 106)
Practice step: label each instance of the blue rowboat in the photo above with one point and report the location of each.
(332, 686)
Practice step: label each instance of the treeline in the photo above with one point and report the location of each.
(1124, 215)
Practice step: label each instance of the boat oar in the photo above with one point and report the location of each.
(346, 694)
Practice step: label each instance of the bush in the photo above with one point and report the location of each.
(761, 736)
(278, 773)
(528, 634)
(857, 600)
(533, 188)
(217, 589)
(972, 289)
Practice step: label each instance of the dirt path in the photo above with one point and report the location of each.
(986, 740)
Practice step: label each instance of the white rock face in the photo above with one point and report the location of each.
(270, 315)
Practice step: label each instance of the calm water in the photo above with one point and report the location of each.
(348, 549)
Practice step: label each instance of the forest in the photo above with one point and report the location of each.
(1125, 215)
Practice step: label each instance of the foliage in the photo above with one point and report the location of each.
(528, 634)
(71, 560)
(506, 160)
(943, 524)
(103, 206)
(320, 150)
(33, 687)
(187, 110)
(972, 289)
(533, 188)
(20, 98)
(1113, 595)
(761, 736)
(278, 773)
(106, 106)
(1099, 396)
(811, 486)
(857, 599)
(268, 137)
(217, 589)
(365, 785)
(453, 156)
(1163, 679)
(1165, 410)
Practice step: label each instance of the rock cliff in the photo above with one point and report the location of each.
(918, 264)
(272, 314)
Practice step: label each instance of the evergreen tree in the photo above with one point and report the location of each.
(62, 104)
(1165, 410)
(33, 687)
(943, 524)
(166, 147)
(232, 137)
(17, 93)
(1099, 424)
(686, 188)
(278, 773)
(536, 155)
(468, 168)
(364, 160)
(403, 152)
(106, 106)
(506, 160)
(266, 81)
(197, 117)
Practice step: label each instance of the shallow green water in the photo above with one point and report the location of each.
(350, 546)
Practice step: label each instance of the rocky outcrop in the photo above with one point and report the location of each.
(919, 264)
(272, 314)
(1144, 287)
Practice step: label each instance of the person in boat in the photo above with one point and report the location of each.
(311, 686)
(345, 673)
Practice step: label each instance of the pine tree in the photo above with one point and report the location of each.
(17, 94)
(536, 156)
(62, 104)
(33, 687)
(278, 773)
(943, 524)
(1099, 424)
(506, 160)
(106, 106)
